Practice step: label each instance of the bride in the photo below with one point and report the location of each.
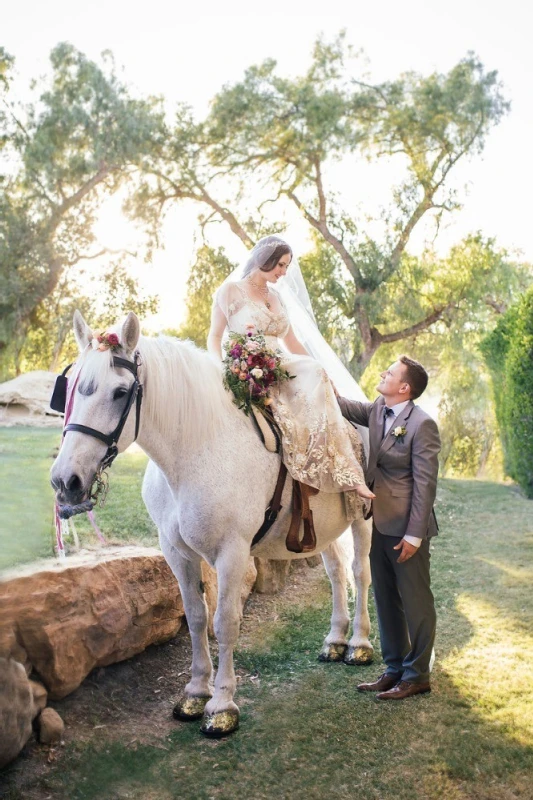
(319, 449)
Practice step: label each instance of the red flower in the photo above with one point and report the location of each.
(113, 339)
(256, 361)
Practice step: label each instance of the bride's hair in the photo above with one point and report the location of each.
(272, 260)
(265, 255)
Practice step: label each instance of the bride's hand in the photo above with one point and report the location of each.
(363, 491)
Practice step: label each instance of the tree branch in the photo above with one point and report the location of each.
(405, 333)
(328, 236)
(228, 217)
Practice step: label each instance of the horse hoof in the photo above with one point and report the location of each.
(359, 656)
(190, 708)
(333, 652)
(220, 724)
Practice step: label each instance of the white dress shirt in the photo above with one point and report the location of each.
(389, 422)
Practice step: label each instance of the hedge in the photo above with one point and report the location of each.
(508, 352)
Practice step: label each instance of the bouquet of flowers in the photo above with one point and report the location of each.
(251, 369)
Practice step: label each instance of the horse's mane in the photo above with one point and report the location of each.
(183, 387)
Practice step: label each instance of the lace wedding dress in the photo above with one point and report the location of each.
(320, 448)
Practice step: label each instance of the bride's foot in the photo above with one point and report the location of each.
(363, 491)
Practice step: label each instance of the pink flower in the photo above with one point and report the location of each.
(113, 339)
(250, 327)
(243, 376)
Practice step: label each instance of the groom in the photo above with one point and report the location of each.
(402, 472)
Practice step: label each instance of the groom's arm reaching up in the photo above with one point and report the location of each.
(355, 411)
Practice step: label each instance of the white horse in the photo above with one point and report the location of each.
(206, 487)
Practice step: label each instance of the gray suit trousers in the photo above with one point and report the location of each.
(405, 606)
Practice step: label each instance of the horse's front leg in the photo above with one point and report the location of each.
(186, 566)
(221, 715)
(360, 651)
(336, 560)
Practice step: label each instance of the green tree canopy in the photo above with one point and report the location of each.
(209, 270)
(290, 131)
(76, 143)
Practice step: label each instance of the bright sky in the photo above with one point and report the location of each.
(187, 51)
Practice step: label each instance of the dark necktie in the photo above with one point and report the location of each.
(387, 412)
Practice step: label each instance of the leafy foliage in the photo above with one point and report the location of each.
(208, 272)
(50, 342)
(508, 351)
(77, 143)
(289, 131)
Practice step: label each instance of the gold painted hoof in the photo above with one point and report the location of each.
(190, 708)
(359, 656)
(333, 652)
(220, 724)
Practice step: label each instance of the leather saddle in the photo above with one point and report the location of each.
(301, 511)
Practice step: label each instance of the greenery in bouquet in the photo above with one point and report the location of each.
(251, 369)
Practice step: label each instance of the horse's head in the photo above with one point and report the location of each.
(100, 390)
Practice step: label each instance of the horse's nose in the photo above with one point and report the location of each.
(74, 484)
(67, 492)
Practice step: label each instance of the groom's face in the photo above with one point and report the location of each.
(393, 383)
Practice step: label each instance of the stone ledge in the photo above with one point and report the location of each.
(64, 618)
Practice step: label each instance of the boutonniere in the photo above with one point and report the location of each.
(399, 432)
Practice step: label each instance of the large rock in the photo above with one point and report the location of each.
(93, 609)
(17, 709)
(27, 399)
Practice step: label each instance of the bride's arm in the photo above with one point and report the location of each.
(216, 332)
(293, 345)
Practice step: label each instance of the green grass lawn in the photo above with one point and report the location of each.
(27, 501)
(305, 731)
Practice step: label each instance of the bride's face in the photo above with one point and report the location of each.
(279, 270)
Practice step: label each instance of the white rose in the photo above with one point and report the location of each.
(257, 373)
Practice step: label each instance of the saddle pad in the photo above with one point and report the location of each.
(266, 431)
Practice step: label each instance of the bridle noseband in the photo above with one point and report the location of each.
(135, 395)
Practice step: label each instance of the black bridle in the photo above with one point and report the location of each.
(135, 395)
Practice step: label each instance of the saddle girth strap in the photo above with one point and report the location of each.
(274, 506)
(301, 493)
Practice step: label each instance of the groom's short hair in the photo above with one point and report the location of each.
(415, 375)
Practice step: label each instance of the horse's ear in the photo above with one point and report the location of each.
(82, 332)
(131, 330)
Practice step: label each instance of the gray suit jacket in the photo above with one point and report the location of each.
(401, 471)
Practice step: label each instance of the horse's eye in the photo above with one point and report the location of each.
(119, 393)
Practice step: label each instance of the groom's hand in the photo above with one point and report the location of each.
(407, 550)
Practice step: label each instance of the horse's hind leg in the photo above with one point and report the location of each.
(186, 566)
(336, 560)
(360, 651)
(221, 715)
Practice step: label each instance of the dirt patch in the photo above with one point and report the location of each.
(132, 701)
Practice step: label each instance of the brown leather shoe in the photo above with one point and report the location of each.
(404, 689)
(384, 682)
